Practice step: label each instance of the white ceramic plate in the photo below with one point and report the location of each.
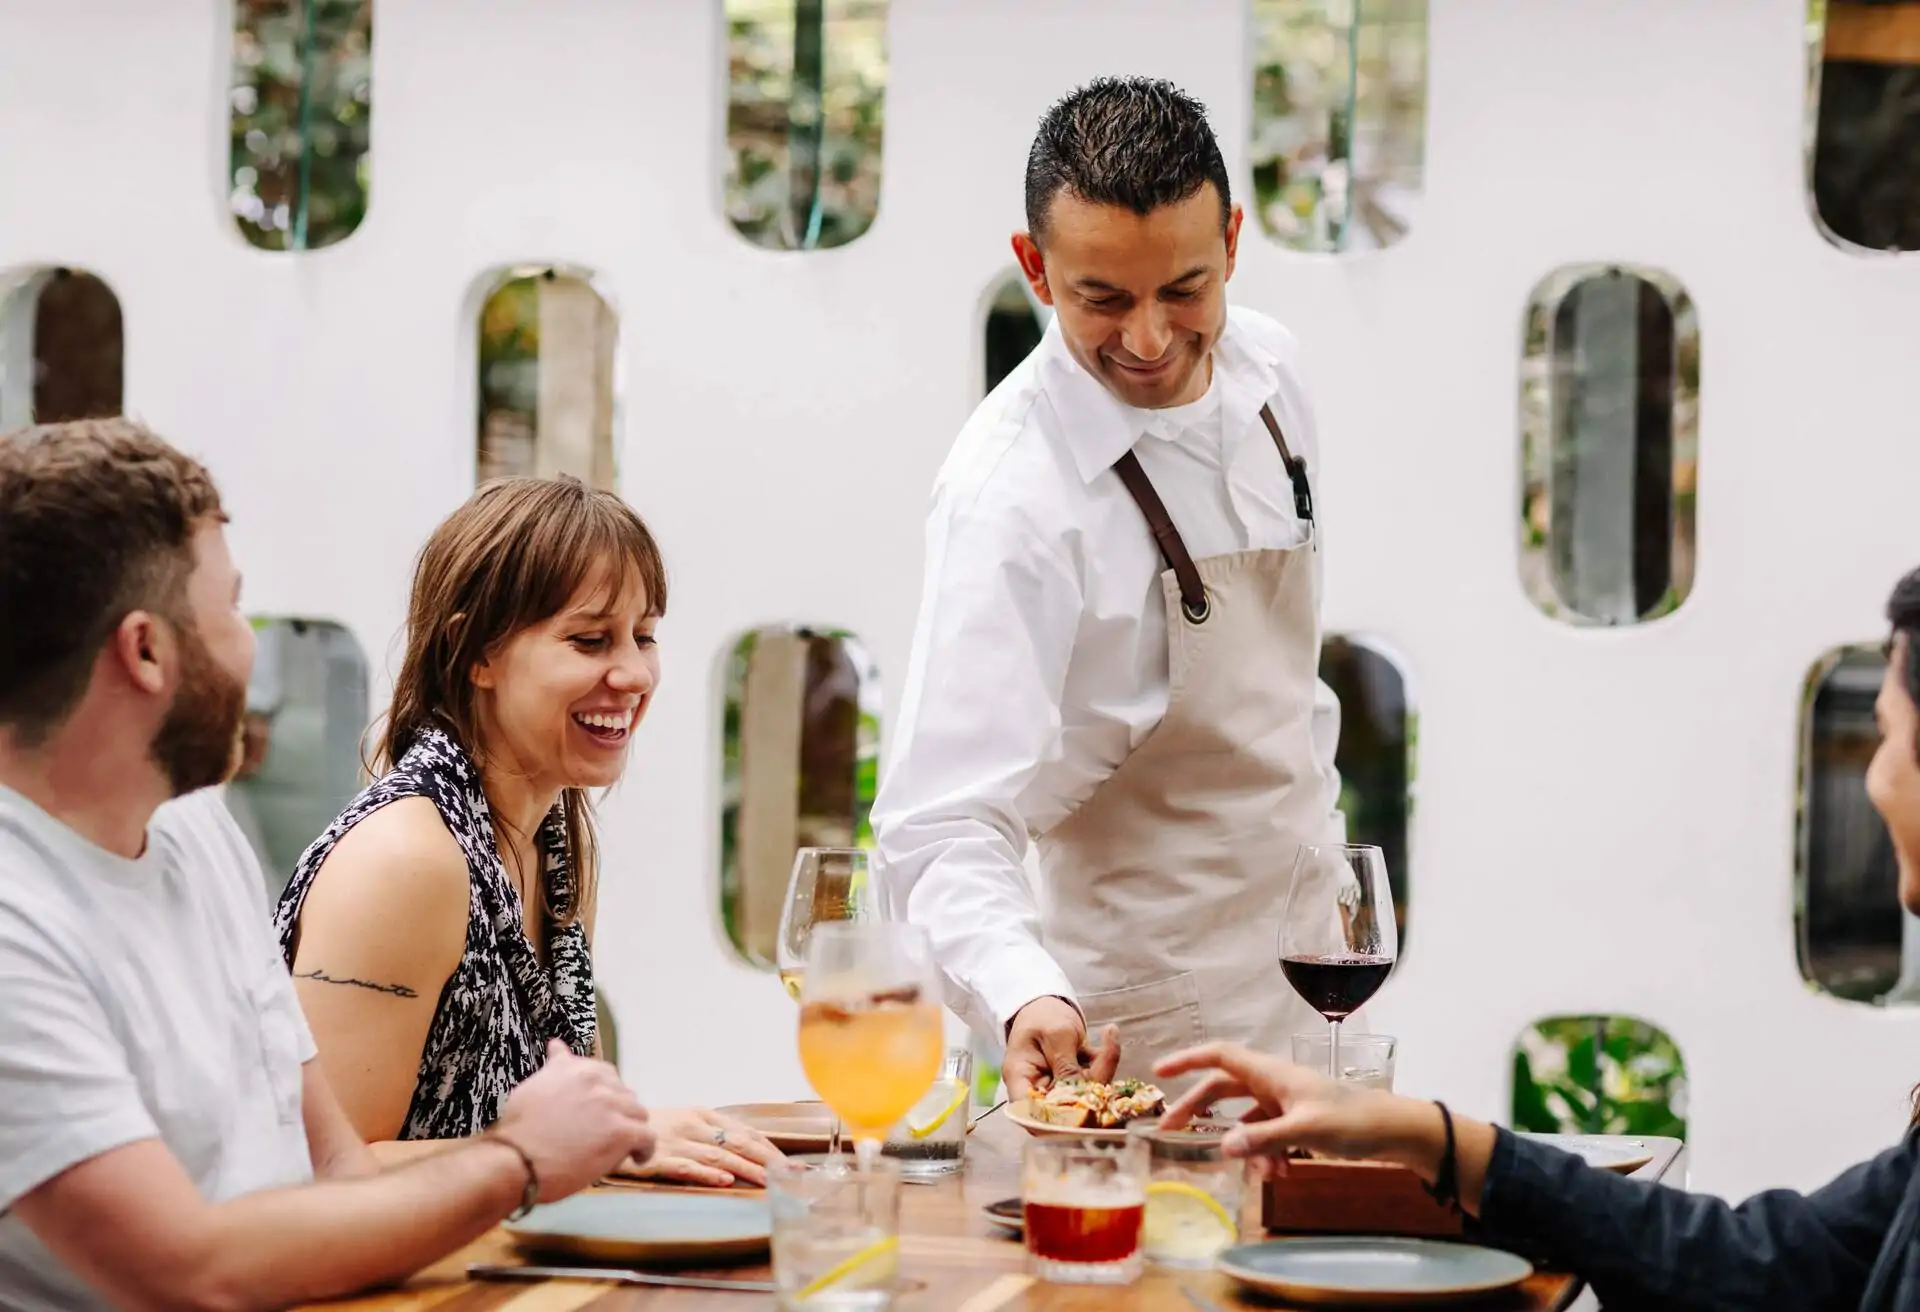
(1017, 1113)
(1609, 1152)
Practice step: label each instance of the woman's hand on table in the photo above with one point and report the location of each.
(1299, 1108)
(695, 1145)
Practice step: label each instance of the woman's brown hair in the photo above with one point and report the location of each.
(512, 556)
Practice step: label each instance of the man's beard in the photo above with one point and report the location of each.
(195, 745)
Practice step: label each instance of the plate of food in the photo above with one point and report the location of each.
(1088, 1109)
(792, 1127)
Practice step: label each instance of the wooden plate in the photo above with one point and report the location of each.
(794, 1127)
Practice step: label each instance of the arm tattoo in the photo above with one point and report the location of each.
(397, 990)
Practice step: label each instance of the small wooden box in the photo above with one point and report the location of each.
(1328, 1197)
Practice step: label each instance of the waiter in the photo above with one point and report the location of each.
(1118, 643)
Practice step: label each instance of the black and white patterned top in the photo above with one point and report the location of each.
(500, 1007)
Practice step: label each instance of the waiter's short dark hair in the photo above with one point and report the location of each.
(1136, 142)
(97, 518)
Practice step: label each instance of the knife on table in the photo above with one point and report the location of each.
(615, 1275)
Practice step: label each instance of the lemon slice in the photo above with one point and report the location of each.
(921, 1129)
(1184, 1223)
(875, 1264)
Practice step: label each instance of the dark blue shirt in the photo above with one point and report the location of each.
(1849, 1245)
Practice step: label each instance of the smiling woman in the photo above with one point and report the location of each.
(440, 930)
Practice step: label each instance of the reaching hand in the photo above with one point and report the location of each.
(1047, 1042)
(1293, 1107)
(576, 1121)
(698, 1146)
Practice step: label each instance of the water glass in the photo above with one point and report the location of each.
(836, 1233)
(931, 1140)
(1365, 1059)
(1082, 1202)
(1194, 1194)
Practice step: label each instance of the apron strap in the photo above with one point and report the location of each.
(1173, 550)
(1296, 468)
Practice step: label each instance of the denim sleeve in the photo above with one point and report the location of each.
(1646, 1245)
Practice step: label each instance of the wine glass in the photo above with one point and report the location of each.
(1338, 937)
(871, 1033)
(828, 884)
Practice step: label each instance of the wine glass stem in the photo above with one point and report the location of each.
(1333, 1051)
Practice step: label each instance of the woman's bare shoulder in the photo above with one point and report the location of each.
(400, 864)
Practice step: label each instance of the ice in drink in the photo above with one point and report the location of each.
(871, 1059)
(1083, 1204)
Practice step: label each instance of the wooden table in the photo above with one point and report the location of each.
(951, 1257)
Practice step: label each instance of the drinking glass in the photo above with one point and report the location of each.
(1194, 1193)
(828, 885)
(931, 1139)
(1082, 1204)
(871, 1033)
(1338, 937)
(1365, 1059)
(836, 1233)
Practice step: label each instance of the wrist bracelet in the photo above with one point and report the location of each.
(530, 1195)
(1445, 1188)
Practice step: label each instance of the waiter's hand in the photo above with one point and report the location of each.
(1048, 1041)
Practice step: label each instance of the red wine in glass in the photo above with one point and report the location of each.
(1336, 986)
(1338, 936)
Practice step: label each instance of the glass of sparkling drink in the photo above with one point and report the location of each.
(931, 1140)
(871, 1034)
(1365, 1059)
(836, 1233)
(1083, 1201)
(1194, 1193)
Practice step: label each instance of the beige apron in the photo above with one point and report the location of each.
(1161, 895)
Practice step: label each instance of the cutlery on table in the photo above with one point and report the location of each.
(615, 1275)
(1200, 1300)
(988, 1112)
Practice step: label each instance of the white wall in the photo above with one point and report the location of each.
(1605, 818)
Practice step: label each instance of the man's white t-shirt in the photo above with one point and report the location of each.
(139, 999)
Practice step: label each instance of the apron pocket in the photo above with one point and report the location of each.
(1155, 1020)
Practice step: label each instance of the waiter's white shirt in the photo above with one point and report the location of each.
(1040, 655)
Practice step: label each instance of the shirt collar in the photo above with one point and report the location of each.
(1100, 428)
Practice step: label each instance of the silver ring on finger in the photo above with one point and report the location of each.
(720, 1138)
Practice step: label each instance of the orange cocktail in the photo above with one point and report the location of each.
(871, 1059)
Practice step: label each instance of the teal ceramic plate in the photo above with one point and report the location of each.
(1609, 1152)
(636, 1227)
(1363, 1271)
